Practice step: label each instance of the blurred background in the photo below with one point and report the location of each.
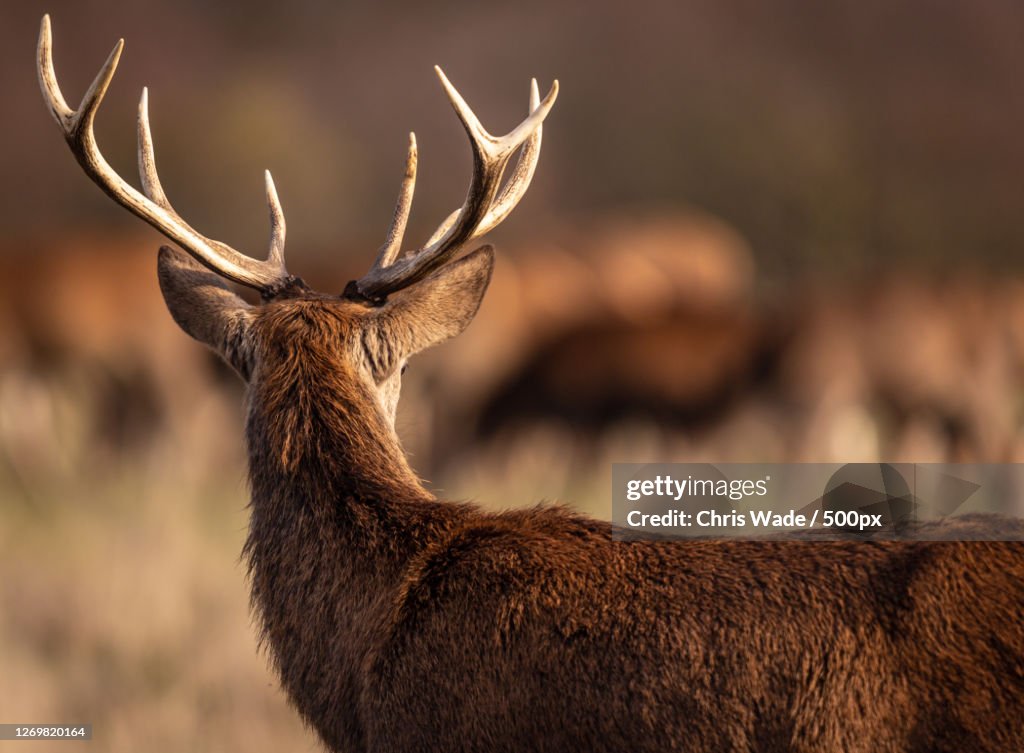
(758, 232)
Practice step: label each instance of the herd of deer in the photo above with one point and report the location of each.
(401, 622)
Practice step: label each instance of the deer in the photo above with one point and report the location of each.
(398, 621)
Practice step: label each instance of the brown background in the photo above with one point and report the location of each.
(758, 232)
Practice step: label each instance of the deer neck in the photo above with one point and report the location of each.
(314, 427)
(336, 516)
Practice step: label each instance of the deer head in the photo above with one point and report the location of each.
(405, 303)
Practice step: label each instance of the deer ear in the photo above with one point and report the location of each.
(205, 308)
(439, 307)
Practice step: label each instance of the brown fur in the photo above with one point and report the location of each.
(399, 622)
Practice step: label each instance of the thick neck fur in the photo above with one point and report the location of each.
(336, 512)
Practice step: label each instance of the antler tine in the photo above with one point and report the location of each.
(490, 156)
(516, 186)
(396, 232)
(278, 228)
(268, 276)
(147, 158)
(48, 77)
(481, 211)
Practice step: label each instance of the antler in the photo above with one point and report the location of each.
(269, 277)
(483, 209)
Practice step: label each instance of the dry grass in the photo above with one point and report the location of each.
(123, 603)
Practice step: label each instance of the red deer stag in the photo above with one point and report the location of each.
(400, 622)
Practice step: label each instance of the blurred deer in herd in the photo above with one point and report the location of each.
(398, 621)
(102, 378)
(897, 368)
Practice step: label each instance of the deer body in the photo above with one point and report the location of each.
(398, 622)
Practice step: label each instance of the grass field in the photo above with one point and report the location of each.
(123, 604)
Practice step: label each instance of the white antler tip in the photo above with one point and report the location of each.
(453, 93)
(548, 101)
(45, 33)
